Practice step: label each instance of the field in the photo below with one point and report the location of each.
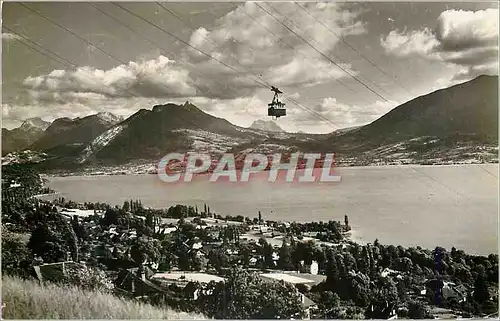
(29, 300)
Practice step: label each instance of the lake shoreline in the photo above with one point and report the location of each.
(128, 170)
(372, 197)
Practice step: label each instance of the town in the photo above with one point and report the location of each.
(192, 259)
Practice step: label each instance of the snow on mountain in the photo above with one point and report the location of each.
(109, 117)
(100, 141)
(35, 122)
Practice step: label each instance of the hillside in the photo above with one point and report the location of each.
(54, 302)
(150, 134)
(67, 136)
(465, 110)
(452, 124)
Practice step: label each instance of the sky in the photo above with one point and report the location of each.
(338, 64)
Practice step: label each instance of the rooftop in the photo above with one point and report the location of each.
(287, 278)
(189, 277)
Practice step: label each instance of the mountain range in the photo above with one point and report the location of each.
(455, 123)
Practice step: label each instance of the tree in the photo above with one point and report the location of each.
(246, 296)
(363, 262)
(329, 305)
(285, 258)
(151, 221)
(260, 218)
(417, 310)
(145, 249)
(218, 259)
(245, 252)
(357, 289)
(332, 270)
(266, 252)
(15, 254)
(404, 264)
(47, 244)
(88, 278)
(126, 206)
(346, 220)
(481, 292)
(78, 228)
(177, 211)
(110, 217)
(350, 262)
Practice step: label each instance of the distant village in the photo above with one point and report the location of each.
(219, 234)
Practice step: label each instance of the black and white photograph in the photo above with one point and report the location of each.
(250, 160)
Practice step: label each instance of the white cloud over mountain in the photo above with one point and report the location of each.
(263, 51)
(467, 39)
(342, 115)
(248, 39)
(238, 40)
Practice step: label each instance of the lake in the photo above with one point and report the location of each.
(452, 205)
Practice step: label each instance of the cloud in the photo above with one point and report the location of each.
(10, 36)
(422, 42)
(15, 113)
(342, 115)
(240, 111)
(258, 50)
(251, 40)
(458, 29)
(306, 71)
(247, 38)
(160, 77)
(467, 39)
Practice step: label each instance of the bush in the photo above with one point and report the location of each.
(15, 253)
(87, 278)
(417, 310)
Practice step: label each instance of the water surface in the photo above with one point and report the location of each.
(408, 205)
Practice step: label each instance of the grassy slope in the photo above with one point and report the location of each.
(28, 300)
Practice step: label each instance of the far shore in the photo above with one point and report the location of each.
(128, 172)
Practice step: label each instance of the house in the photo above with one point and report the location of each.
(312, 268)
(55, 271)
(448, 290)
(386, 311)
(389, 272)
(296, 279)
(136, 281)
(260, 228)
(181, 277)
(192, 282)
(451, 291)
(314, 279)
(308, 305)
(197, 246)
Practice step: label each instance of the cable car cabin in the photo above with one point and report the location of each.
(276, 112)
(276, 107)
